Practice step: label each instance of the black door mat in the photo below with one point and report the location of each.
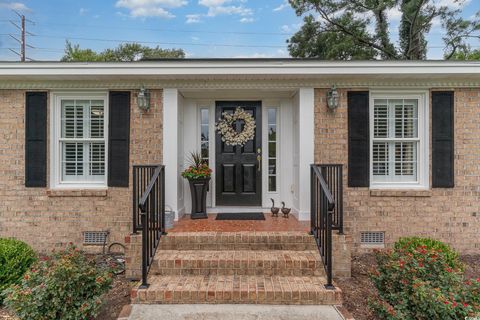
(240, 216)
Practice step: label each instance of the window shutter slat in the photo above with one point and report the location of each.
(443, 139)
(119, 139)
(358, 139)
(36, 139)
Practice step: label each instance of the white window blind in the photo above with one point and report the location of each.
(82, 140)
(396, 141)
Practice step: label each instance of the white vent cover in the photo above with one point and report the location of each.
(372, 238)
(95, 237)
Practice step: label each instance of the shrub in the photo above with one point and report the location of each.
(423, 279)
(65, 286)
(16, 257)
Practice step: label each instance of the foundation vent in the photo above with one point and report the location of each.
(95, 237)
(372, 238)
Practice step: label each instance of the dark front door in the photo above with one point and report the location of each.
(238, 170)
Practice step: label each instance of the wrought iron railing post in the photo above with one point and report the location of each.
(163, 201)
(329, 249)
(144, 219)
(312, 201)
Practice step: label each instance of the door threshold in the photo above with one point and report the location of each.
(235, 209)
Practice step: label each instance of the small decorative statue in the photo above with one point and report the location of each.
(274, 209)
(285, 211)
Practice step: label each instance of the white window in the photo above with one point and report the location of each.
(272, 149)
(79, 145)
(399, 144)
(204, 134)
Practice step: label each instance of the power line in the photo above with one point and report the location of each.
(23, 33)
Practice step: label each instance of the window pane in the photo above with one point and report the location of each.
(405, 158)
(72, 160)
(406, 119)
(380, 120)
(272, 116)
(272, 183)
(204, 116)
(97, 159)
(204, 133)
(96, 119)
(272, 166)
(272, 149)
(272, 132)
(380, 159)
(72, 120)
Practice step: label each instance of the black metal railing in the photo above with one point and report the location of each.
(333, 175)
(152, 217)
(322, 210)
(141, 177)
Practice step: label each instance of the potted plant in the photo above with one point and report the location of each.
(198, 175)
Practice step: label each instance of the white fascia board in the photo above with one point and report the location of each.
(181, 69)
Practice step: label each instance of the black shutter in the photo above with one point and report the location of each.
(119, 139)
(36, 139)
(442, 139)
(358, 139)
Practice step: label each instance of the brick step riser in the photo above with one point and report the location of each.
(237, 272)
(240, 297)
(238, 247)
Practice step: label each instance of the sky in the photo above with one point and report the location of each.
(202, 28)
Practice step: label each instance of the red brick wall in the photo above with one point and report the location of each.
(450, 215)
(46, 219)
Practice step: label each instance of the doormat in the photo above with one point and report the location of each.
(240, 216)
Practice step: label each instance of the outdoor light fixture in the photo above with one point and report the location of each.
(333, 98)
(143, 99)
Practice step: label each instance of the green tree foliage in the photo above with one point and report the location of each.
(466, 54)
(359, 29)
(123, 53)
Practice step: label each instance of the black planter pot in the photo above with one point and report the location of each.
(198, 191)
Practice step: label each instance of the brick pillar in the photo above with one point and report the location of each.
(342, 255)
(133, 256)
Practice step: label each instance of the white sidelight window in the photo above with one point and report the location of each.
(272, 123)
(204, 134)
(398, 140)
(79, 140)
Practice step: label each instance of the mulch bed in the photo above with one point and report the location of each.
(358, 289)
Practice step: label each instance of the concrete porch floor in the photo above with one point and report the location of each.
(185, 224)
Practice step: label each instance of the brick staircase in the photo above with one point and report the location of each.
(237, 267)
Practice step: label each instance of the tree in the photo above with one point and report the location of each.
(466, 54)
(124, 52)
(359, 29)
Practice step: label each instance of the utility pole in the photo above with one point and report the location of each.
(23, 39)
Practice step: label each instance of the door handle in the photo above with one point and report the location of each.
(259, 159)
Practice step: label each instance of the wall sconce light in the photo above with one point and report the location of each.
(333, 98)
(143, 99)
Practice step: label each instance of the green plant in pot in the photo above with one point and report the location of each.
(198, 175)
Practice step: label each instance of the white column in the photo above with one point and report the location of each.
(170, 148)
(306, 144)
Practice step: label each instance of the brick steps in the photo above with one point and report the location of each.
(236, 290)
(260, 240)
(237, 268)
(259, 262)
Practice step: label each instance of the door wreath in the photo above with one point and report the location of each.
(228, 133)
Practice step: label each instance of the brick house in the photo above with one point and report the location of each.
(405, 133)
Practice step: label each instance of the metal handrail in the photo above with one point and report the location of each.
(152, 207)
(322, 208)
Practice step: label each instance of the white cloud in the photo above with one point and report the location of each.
(193, 18)
(291, 28)
(284, 5)
(394, 14)
(454, 4)
(246, 20)
(82, 11)
(150, 8)
(226, 7)
(15, 6)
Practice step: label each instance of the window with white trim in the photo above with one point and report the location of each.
(79, 141)
(398, 141)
